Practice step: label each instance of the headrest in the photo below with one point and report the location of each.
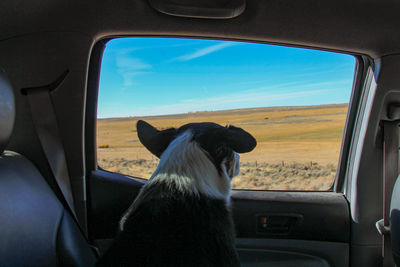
(7, 110)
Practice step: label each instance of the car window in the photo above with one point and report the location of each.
(294, 101)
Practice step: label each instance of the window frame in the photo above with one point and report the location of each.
(362, 63)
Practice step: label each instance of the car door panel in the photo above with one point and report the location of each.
(318, 236)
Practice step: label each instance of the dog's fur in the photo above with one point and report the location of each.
(182, 217)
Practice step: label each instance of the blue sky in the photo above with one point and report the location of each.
(154, 76)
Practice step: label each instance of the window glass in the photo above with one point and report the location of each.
(294, 101)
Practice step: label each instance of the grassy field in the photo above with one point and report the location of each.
(298, 147)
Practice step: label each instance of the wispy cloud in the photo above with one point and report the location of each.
(204, 51)
(272, 95)
(129, 77)
(129, 67)
(225, 102)
(125, 62)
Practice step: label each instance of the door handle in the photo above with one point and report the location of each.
(277, 223)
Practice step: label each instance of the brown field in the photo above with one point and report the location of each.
(298, 147)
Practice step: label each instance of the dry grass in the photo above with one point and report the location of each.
(296, 136)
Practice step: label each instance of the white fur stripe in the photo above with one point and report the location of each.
(185, 164)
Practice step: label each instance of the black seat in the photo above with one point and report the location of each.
(35, 228)
(395, 222)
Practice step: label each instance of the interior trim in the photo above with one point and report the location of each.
(335, 253)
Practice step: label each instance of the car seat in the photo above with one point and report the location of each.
(35, 228)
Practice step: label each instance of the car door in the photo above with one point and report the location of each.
(273, 228)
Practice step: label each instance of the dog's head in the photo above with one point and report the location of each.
(220, 144)
(197, 158)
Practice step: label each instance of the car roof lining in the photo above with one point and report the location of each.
(361, 27)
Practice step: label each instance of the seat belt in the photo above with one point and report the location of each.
(45, 121)
(390, 173)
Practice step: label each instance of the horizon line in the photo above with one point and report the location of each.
(218, 110)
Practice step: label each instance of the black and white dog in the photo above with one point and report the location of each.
(182, 217)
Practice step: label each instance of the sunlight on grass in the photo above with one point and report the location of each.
(298, 147)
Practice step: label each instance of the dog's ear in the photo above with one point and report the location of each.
(240, 140)
(154, 140)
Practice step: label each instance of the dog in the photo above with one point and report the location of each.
(181, 217)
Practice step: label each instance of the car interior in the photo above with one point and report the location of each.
(59, 208)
